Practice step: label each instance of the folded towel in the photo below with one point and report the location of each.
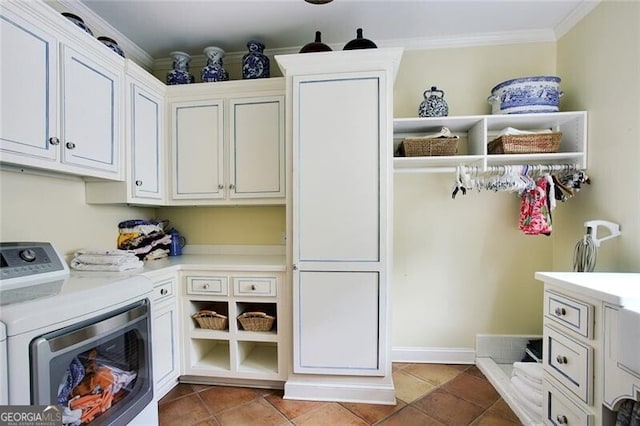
(514, 131)
(94, 259)
(528, 380)
(103, 252)
(533, 411)
(134, 263)
(527, 391)
(528, 370)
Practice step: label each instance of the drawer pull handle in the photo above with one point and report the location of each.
(561, 359)
(54, 141)
(560, 312)
(163, 291)
(562, 419)
(253, 286)
(205, 286)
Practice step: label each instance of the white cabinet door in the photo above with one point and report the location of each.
(339, 224)
(166, 362)
(146, 143)
(257, 147)
(28, 89)
(338, 322)
(198, 150)
(90, 113)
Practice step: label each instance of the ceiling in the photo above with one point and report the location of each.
(162, 26)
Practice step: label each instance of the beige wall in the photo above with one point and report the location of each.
(43, 208)
(461, 267)
(599, 61)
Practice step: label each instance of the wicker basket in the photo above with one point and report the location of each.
(427, 147)
(210, 320)
(256, 321)
(525, 144)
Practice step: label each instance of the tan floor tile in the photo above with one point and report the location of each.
(447, 408)
(475, 371)
(372, 413)
(258, 413)
(502, 409)
(292, 408)
(331, 414)
(209, 422)
(410, 416)
(409, 388)
(491, 419)
(472, 389)
(183, 411)
(436, 374)
(180, 390)
(220, 398)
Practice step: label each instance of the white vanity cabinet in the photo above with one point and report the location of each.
(234, 355)
(145, 181)
(166, 333)
(584, 378)
(341, 222)
(227, 142)
(61, 95)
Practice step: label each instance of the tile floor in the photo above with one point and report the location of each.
(427, 394)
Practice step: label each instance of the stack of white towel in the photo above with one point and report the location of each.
(105, 260)
(526, 380)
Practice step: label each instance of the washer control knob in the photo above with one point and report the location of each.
(28, 255)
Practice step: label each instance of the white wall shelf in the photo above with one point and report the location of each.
(477, 131)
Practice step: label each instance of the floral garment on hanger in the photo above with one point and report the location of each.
(535, 211)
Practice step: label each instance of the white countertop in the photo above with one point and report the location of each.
(622, 289)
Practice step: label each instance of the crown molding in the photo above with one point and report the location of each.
(574, 17)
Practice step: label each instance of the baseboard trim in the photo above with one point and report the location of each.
(434, 355)
(308, 389)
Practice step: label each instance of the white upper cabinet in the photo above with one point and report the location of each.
(145, 147)
(28, 90)
(227, 142)
(61, 95)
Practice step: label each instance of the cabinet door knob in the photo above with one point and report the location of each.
(163, 291)
(253, 286)
(220, 186)
(561, 359)
(294, 267)
(232, 186)
(562, 419)
(560, 311)
(70, 145)
(205, 286)
(54, 141)
(138, 183)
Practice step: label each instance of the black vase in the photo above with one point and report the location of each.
(315, 46)
(359, 42)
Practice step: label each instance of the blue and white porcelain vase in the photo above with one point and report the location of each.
(434, 104)
(180, 73)
(213, 71)
(255, 64)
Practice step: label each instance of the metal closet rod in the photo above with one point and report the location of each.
(490, 169)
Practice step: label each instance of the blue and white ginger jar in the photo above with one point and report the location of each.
(213, 71)
(434, 104)
(255, 64)
(180, 73)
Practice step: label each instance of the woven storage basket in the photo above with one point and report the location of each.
(210, 320)
(256, 321)
(428, 147)
(525, 144)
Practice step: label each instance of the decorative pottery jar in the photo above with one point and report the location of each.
(434, 104)
(526, 95)
(78, 21)
(315, 46)
(180, 73)
(255, 64)
(111, 44)
(359, 42)
(213, 71)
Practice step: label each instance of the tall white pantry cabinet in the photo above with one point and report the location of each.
(339, 107)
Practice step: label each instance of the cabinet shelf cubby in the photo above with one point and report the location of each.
(477, 131)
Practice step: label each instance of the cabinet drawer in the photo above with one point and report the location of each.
(570, 313)
(218, 286)
(163, 290)
(570, 362)
(255, 286)
(560, 410)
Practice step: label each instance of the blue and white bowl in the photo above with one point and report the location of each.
(111, 44)
(526, 95)
(78, 21)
